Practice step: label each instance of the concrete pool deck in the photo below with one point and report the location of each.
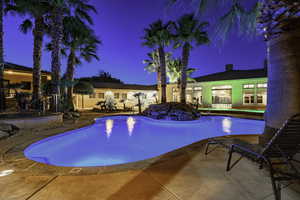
(182, 175)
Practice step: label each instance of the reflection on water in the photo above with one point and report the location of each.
(109, 126)
(226, 125)
(130, 125)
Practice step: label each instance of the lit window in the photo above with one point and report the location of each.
(260, 99)
(189, 89)
(249, 86)
(262, 85)
(101, 95)
(92, 96)
(222, 87)
(117, 95)
(249, 99)
(197, 88)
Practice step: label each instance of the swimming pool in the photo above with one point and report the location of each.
(123, 139)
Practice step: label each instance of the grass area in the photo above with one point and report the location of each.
(232, 110)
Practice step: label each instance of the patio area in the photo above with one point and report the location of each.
(186, 174)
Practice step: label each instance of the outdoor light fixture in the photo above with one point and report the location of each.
(6, 172)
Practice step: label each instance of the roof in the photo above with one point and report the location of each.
(12, 66)
(123, 86)
(233, 75)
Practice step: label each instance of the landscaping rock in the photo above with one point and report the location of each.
(172, 111)
(71, 115)
(3, 135)
(6, 127)
(7, 130)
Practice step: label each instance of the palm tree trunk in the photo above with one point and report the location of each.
(185, 61)
(38, 34)
(158, 71)
(283, 80)
(57, 31)
(2, 89)
(163, 74)
(70, 76)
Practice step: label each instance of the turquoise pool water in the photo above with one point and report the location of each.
(123, 139)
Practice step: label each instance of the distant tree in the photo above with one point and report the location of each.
(104, 77)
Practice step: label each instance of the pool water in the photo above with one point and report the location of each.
(123, 139)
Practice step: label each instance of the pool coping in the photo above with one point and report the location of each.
(15, 159)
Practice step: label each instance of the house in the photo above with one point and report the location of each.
(119, 93)
(14, 74)
(229, 89)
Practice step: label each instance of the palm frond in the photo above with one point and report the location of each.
(26, 26)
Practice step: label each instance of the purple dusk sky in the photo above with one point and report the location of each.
(120, 25)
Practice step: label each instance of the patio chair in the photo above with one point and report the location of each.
(278, 155)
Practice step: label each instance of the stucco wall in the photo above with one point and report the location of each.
(84, 102)
(237, 90)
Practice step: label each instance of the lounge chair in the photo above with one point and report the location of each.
(278, 153)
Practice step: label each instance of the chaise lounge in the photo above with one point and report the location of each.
(278, 155)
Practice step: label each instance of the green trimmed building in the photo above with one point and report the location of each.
(241, 89)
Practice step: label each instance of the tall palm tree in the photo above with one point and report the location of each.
(59, 9)
(279, 22)
(37, 11)
(158, 36)
(82, 44)
(3, 4)
(188, 31)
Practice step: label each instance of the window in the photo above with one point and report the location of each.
(249, 86)
(92, 96)
(117, 95)
(197, 88)
(221, 94)
(101, 95)
(124, 96)
(249, 99)
(260, 99)
(189, 89)
(26, 85)
(6, 88)
(44, 79)
(262, 85)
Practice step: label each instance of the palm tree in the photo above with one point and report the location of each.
(37, 11)
(82, 44)
(60, 8)
(158, 36)
(174, 72)
(188, 31)
(3, 4)
(152, 63)
(279, 22)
